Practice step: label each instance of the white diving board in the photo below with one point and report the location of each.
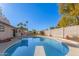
(39, 51)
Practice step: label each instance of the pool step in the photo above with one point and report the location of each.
(39, 51)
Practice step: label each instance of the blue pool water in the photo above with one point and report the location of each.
(26, 47)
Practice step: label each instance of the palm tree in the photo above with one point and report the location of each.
(26, 24)
(23, 25)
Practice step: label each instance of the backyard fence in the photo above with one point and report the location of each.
(63, 32)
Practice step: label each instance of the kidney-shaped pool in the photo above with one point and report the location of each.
(26, 47)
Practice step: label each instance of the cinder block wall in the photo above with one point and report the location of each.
(70, 30)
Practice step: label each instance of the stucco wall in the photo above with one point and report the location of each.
(8, 32)
(57, 32)
(70, 30)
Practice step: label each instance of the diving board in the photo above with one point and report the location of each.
(39, 51)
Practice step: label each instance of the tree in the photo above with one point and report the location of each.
(52, 27)
(67, 21)
(34, 32)
(42, 33)
(22, 26)
(26, 24)
(70, 14)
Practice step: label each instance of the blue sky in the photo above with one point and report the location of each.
(40, 16)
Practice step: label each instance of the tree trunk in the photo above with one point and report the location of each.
(77, 19)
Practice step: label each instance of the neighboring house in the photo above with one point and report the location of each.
(6, 30)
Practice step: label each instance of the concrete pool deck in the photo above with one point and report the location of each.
(4, 46)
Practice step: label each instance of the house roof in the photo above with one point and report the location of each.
(7, 24)
(4, 20)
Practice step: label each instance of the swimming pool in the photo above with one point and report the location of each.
(26, 47)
